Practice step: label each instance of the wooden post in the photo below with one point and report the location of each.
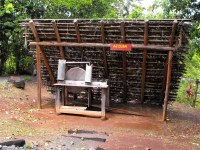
(123, 39)
(78, 37)
(169, 69)
(144, 60)
(171, 43)
(104, 50)
(62, 53)
(32, 26)
(38, 77)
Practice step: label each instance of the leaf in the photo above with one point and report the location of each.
(9, 8)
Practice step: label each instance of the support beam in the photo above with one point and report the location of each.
(78, 35)
(169, 69)
(62, 53)
(135, 46)
(38, 77)
(144, 60)
(171, 43)
(104, 50)
(32, 26)
(123, 39)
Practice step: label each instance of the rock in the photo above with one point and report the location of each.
(72, 142)
(46, 144)
(17, 82)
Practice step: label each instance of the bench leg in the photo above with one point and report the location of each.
(103, 103)
(57, 102)
(89, 97)
(108, 97)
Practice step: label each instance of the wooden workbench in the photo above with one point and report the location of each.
(61, 108)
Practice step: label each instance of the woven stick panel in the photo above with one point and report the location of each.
(110, 31)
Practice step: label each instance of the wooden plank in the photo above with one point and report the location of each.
(32, 26)
(105, 63)
(73, 107)
(171, 41)
(135, 46)
(144, 61)
(72, 83)
(81, 112)
(38, 77)
(169, 69)
(78, 35)
(123, 39)
(62, 53)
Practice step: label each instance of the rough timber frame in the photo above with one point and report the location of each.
(143, 47)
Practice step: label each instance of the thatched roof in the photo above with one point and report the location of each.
(137, 75)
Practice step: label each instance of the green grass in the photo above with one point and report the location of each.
(27, 78)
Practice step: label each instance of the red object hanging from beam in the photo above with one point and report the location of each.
(120, 47)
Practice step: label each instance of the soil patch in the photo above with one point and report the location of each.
(130, 126)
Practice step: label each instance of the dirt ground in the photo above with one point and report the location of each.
(130, 126)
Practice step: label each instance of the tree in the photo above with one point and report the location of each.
(6, 28)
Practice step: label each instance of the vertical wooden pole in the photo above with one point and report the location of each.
(39, 49)
(38, 77)
(104, 50)
(171, 42)
(78, 36)
(62, 53)
(169, 69)
(123, 39)
(144, 60)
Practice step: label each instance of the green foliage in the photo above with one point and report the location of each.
(10, 65)
(192, 72)
(26, 62)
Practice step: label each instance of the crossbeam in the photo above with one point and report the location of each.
(134, 46)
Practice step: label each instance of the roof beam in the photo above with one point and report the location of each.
(78, 36)
(144, 60)
(104, 50)
(32, 26)
(123, 39)
(62, 53)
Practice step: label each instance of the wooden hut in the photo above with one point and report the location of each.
(149, 73)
